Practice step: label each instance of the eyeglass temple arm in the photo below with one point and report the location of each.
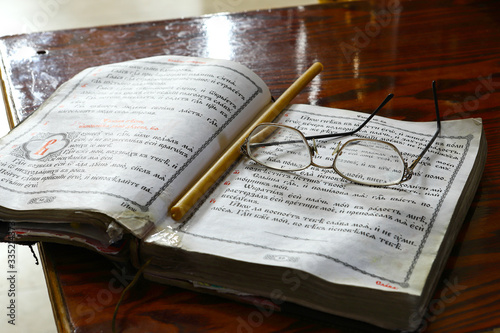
(438, 122)
(324, 136)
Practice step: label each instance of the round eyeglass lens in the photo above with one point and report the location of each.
(370, 162)
(279, 147)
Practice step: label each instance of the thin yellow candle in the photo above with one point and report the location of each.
(189, 199)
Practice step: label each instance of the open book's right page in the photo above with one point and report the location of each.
(313, 220)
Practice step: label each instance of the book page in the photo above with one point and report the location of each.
(126, 139)
(315, 221)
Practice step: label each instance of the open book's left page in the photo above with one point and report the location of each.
(125, 139)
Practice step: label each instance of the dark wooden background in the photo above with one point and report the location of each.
(369, 49)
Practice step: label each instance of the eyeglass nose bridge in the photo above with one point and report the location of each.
(314, 151)
(314, 148)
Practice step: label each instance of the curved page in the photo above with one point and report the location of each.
(125, 139)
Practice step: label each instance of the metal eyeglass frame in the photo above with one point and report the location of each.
(408, 169)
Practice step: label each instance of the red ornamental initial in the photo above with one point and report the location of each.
(44, 148)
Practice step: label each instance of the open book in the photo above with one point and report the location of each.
(103, 159)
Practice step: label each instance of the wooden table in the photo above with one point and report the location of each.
(369, 48)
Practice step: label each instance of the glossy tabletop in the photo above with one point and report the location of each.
(369, 49)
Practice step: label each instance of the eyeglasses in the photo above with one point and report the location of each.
(360, 160)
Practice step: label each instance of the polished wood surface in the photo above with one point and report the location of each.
(369, 49)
